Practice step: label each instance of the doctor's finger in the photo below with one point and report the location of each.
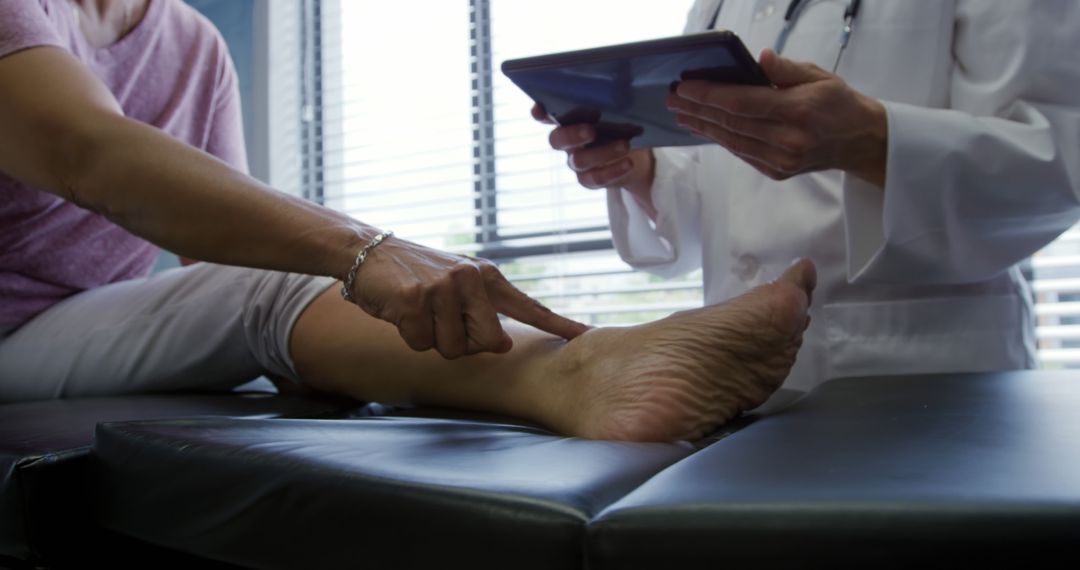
(778, 159)
(541, 115)
(571, 137)
(605, 176)
(772, 132)
(750, 101)
(584, 159)
(762, 167)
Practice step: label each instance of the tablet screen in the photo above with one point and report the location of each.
(621, 89)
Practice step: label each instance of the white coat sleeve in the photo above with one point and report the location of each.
(671, 246)
(976, 188)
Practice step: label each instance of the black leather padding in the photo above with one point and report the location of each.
(932, 471)
(44, 487)
(365, 493)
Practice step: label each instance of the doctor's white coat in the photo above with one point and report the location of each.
(983, 101)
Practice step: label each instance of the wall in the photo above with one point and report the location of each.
(236, 21)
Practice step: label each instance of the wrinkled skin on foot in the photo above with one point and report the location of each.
(683, 376)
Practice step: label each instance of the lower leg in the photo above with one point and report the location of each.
(679, 377)
(339, 349)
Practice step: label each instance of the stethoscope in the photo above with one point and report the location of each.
(791, 17)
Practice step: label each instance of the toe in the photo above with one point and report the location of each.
(802, 274)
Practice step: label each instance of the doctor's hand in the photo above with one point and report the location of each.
(811, 121)
(610, 165)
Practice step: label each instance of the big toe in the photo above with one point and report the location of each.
(801, 274)
(794, 292)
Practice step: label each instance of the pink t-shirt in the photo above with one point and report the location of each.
(172, 71)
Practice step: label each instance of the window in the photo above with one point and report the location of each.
(413, 128)
(1056, 286)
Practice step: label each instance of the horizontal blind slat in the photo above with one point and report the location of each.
(1056, 285)
(1060, 356)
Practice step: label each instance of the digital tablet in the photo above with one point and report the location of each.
(621, 89)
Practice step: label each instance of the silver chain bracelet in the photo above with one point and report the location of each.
(346, 288)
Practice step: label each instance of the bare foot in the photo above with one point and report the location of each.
(681, 377)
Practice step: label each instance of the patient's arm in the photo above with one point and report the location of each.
(64, 132)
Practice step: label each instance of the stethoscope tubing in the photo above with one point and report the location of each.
(791, 18)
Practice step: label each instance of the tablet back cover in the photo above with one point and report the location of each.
(621, 89)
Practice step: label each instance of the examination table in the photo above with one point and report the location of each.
(918, 471)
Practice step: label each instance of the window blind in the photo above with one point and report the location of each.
(1056, 286)
(413, 128)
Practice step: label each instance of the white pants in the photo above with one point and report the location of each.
(203, 326)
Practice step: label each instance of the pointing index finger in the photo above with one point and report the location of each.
(513, 303)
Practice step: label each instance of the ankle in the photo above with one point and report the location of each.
(531, 381)
(569, 378)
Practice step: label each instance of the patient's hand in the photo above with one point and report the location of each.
(446, 301)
